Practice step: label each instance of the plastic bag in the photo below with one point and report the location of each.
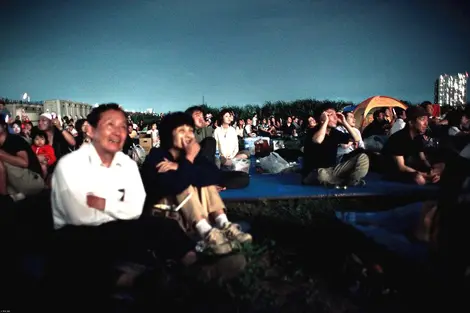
(241, 165)
(273, 163)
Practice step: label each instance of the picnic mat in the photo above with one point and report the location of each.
(288, 186)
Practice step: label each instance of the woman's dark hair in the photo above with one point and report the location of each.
(170, 122)
(41, 134)
(221, 115)
(95, 115)
(80, 135)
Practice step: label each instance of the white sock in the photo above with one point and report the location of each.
(203, 228)
(221, 221)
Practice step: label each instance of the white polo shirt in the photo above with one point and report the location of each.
(81, 173)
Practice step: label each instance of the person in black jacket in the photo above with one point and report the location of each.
(177, 170)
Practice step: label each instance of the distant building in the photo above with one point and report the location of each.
(72, 109)
(451, 89)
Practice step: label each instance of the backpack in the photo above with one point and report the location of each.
(138, 154)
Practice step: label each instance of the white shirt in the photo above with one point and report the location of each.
(398, 125)
(227, 141)
(341, 150)
(453, 131)
(80, 173)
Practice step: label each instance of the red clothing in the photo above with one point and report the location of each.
(47, 151)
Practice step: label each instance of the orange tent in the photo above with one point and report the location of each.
(363, 112)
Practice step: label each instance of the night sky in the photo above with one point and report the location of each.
(167, 54)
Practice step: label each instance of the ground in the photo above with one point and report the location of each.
(301, 261)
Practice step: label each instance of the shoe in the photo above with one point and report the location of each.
(216, 243)
(221, 269)
(233, 232)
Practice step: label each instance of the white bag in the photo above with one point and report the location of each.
(138, 154)
(273, 163)
(241, 165)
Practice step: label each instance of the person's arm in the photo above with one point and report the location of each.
(319, 135)
(130, 206)
(68, 137)
(402, 167)
(51, 158)
(18, 160)
(70, 202)
(349, 128)
(423, 158)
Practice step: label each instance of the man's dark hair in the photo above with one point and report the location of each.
(41, 134)
(318, 112)
(170, 122)
(3, 123)
(424, 104)
(399, 111)
(95, 115)
(221, 115)
(195, 108)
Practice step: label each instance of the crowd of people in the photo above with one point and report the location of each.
(106, 208)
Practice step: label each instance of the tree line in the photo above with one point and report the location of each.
(279, 109)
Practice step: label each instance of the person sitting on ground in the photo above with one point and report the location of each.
(345, 150)
(378, 127)
(320, 148)
(204, 134)
(60, 139)
(97, 201)
(227, 140)
(404, 151)
(399, 123)
(20, 171)
(43, 151)
(178, 170)
(249, 130)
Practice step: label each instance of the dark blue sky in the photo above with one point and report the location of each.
(167, 54)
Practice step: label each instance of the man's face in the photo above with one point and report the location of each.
(332, 118)
(249, 122)
(44, 123)
(388, 113)
(289, 120)
(380, 117)
(465, 121)
(130, 129)
(351, 119)
(312, 122)
(198, 118)
(430, 109)
(184, 133)
(421, 124)
(111, 132)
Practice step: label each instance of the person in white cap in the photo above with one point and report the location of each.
(61, 140)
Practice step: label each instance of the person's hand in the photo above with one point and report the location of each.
(95, 202)
(42, 158)
(56, 123)
(165, 166)
(220, 188)
(341, 118)
(192, 149)
(324, 117)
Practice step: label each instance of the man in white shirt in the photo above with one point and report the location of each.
(97, 200)
(399, 123)
(345, 149)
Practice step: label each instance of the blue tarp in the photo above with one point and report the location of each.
(287, 186)
(392, 229)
